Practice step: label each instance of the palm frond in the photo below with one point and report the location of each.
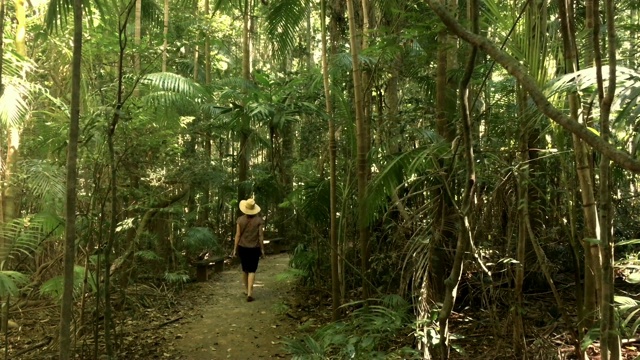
(45, 182)
(283, 19)
(14, 105)
(10, 281)
(24, 235)
(152, 14)
(198, 239)
(58, 12)
(402, 169)
(225, 6)
(148, 255)
(53, 287)
(175, 83)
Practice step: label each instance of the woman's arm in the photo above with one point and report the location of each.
(237, 240)
(261, 235)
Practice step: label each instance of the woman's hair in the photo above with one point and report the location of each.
(250, 216)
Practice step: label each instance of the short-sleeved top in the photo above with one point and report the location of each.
(250, 230)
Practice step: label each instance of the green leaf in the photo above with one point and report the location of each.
(593, 241)
(624, 300)
(592, 335)
(633, 278)
(628, 242)
(594, 131)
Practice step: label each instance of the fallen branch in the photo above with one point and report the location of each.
(168, 322)
(46, 341)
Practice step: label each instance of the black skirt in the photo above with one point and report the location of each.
(249, 258)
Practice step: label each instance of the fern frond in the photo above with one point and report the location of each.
(148, 255)
(179, 277)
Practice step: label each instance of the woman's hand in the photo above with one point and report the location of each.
(233, 253)
(262, 253)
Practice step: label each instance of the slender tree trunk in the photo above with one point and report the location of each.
(72, 179)
(113, 221)
(309, 37)
(587, 310)
(609, 336)
(207, 47)
(361, 156)
(523, 212)
(165, 34)
(245, 151)
(333, 234)
(446, 217)
(466, 229)
(13, 132)
(4, 242)
(137, 37)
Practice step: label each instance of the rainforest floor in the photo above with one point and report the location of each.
(212, 320)
(201, 320)
(229, 327)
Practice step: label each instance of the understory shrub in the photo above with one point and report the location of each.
(378, 329)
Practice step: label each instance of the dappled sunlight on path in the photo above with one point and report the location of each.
(229, 327)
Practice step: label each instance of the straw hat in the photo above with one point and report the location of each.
(249, 207)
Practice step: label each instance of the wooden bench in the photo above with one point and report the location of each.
(205, 267)
(275, 246)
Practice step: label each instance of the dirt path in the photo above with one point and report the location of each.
(228, 327)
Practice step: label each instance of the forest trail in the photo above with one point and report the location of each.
(229, 327)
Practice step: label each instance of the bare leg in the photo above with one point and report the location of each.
(251, 279)
(245, 282)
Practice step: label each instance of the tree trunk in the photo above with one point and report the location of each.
(609, 336)
(72, 179)
(587, 310)
(113, 220)
(523, 212)
(465, 215)
(165, 34)
(333, 233)
(361, 155)
(13, 132)
(245, 151)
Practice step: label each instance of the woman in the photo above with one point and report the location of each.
(249, 243)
